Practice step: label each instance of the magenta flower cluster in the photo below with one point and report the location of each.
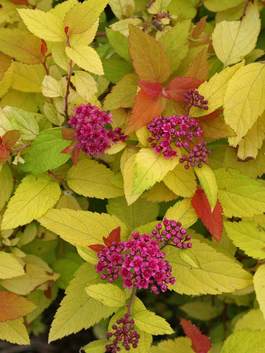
(123, 333)
(93, 130)
(178, 132)
(193, 98)
(139, 262)
(170, 231)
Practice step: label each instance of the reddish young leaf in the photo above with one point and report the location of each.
(10, 138)
(4, 152)
(114, 236)
(43, 47)
(152, 89)
(213, 221)
(68, 133)
(179, 86)
(200, 343)
(20, 2)
(14, 306)
(96, 247)
(199, 28)
(145, 109)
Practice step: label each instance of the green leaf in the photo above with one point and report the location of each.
(252, 320)
(233, 40)
(203, 270)
(182, 212)
(149, 322)
(85, 57)
(92, 179)
(247, 236)
(201, 310)
(28, 78)
(122, 94)
(181, 181)
(240, 195)
(183, 9)
(14, 331)
(6, 184)
(10, 266)
(32, 199)
(107, 294)
(176, 50)
(85, 85)
(77, 311)
(45, 152)
(216, 5)
(139, 213)
(122, 8)
(149, 58)
(44, 25)
(259, 285)
(80, 228)
(150, 168)
(115, 68)
(82, 17)
(207, 180)
(178, 345)
(119, 43)
(245, 341)
(244, 99)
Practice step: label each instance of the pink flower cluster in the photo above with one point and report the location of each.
(173, 132)
(170, 231)
(193, 98)
(139, 262)
(124, 334)
(93, 129)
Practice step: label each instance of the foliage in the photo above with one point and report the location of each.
(74, 191)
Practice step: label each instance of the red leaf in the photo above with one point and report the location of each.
(152, 89)
(200, 343)
(213, 221)
(96, 247)
(10, 138)
(4, 153)
(179, 86)
(145, 109)
(114, 236)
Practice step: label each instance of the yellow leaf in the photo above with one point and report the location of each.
(28, 78)
(216, 5)
(259, 285)
(84, 38)
(51, 87)
(233, 40)
(14, 331)
(45, 25)
(59, 56)
(207, 180)
(61, 9)
(181, 181)
(159, 193)
(182, 212)
(9, 266)
(244, 100)
(86, 58)
(107, 294)
(122, 8)
(179, 345)
(6, 184)
(85, 85)
(33, 197)
(92, 179)
(80, 228)
(6, 80)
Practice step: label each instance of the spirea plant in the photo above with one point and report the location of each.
(132, 167)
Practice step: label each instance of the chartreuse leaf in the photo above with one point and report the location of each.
(6, 76)
(259, 285)
(45, 25)
(198, 270)
(176, 50)
(149, 322)
(244, 100)
(150, 168)
(82, 17)
(77, 311)
(45, 152)
(245, 341)
(9, 266)
(216, 6)
(149, 58)
(158, 6)
(240, 196)
(207, 180)
(179, 345)
(181, 181)
(214, 90)
(140, 212)
(32, 199)
(183, 9)
(6, 184)
(80, 228)
(107, 294)
(92, 179)
(247, 236)
(85, 57)
(98, 346)
(233, 40)
(13, 306)
(20, 45)
(122, 8)
(14, 331)
(182, 212)
(28, 78)
(252, 320)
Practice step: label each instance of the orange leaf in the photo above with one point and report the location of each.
(43, 47)
(145, 109)
(149, 58)
(200, 343)
(199, 68)
(10, 138)
(14, 306)
(68, 133)
(179, 86)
